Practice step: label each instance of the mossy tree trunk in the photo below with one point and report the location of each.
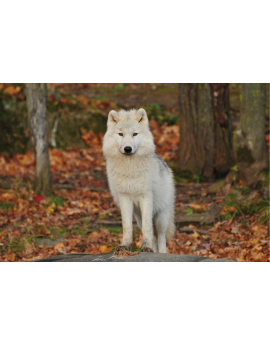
(250, 143)
(224, 155)
(36, 101)
(196, 146)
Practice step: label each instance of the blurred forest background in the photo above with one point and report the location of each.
(54, 197)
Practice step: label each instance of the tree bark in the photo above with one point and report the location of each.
(250, 143)
(36, 101)
(206, 139)
(196, 146)
(224, 156)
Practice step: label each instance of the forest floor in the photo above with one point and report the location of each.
(213, 220)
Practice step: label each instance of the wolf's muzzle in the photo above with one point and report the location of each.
(128, 149)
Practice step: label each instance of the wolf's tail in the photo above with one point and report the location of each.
(171, 229)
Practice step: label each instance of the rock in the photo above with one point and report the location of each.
(86, 219)
(46, 242)
(4, 184)
(215, 187)
(109, 222)
(208, 217)
(142, 257)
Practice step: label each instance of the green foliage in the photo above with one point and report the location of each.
(119, 87)
(189, 212)
(266, 179)
(103, 216)
(14, 136)
(57, 200)
(6, 206)
(235, 168)
(245, 190)
(16, 245)
(179, 179)
(160, 114)
(259, 207)
(155, 111)
(115, 230)
(184, 177)
(135, 249)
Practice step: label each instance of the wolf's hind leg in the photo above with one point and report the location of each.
(155, 244)
(126, 206)
(161, 223)
(138, 216)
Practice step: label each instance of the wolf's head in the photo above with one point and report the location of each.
(128, 134)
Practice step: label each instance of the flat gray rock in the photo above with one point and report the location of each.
(208, 217)
(46, 242)
(142, 257)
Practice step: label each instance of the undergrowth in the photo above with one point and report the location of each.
(237, 208)
(183, 176)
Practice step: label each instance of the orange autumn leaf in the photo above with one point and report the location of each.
(11, 90)
(198, 207)
(67, 101)
(59, 246)
(104, 249)
(11, 257)
(255, 240)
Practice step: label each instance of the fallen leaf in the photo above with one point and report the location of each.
(71, 211)
(11, 256)
(206, 245)
(51, 208)
(11, 90)
(38, 198)
(235, 229)
(104, 249)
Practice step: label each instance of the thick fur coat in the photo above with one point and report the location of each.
(140, 181)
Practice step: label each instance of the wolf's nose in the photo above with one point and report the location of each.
(128, 149)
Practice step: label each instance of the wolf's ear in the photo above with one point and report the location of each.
(112, 118)
(141, 117)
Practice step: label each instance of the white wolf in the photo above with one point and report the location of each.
(140, 181)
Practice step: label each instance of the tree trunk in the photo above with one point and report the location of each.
(196, 146)
(36, 101)
(206, 139)
(224, 157)
(250, 143)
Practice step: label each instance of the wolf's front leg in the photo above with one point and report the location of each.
(126, 205)
(146, 206)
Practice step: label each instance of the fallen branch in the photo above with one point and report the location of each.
(187, 229)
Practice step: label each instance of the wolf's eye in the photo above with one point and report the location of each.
(121, 134)
(134, 134)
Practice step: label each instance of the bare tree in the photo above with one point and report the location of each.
(36, 101)
(250, 143)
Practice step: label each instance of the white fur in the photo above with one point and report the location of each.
(141, 183)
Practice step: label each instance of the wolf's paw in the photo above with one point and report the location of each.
(147, 250)
(122, 248)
